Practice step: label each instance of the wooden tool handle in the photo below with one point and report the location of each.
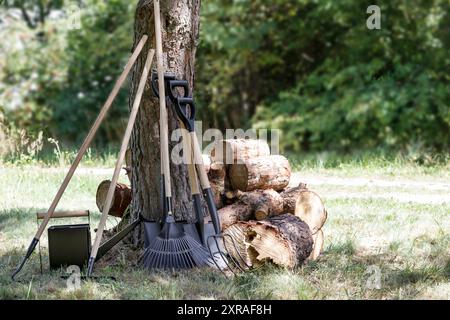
(64, 214)
(189, 158)
(123, 149)
(204, 181)
(91, 135)
(163, 121)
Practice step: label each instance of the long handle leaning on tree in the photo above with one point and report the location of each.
(82, 151)
(187, 116)
(193, 182)
(120, 159)
(163, 120)
(204, 181)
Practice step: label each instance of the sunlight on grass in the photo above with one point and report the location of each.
(368, 227)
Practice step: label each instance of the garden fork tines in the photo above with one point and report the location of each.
(233, 264)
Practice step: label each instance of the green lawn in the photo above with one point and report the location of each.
(386, 218)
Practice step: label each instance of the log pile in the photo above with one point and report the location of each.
(268, 220)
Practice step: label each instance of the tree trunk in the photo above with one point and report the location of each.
(180, 25)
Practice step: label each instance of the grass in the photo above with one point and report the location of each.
(387, 217)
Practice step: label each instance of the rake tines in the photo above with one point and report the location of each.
(174, 249)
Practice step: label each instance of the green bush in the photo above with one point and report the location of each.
(313, 69)
(95, 55)
(310, 68)
(56, 80)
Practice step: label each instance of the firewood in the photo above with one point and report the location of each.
(290, 196)
(318, 239)
(265, 203)
(216, 176)
(284, 240)
(309, 207)
(121, 199)
(206, 162)
(238, 150)
(258, 204)
(268, 172)
(233, 213)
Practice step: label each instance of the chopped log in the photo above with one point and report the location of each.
(269, 172)
(206, 162)
(231, 196)
(309, 207)
(232, 151)
(290, 196)
(121, 199)
(258, 204)
(318, 239)
(284, 240)
(216, 176)
(265, 203)
(233, 213)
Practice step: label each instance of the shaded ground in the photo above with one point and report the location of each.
(387, 229)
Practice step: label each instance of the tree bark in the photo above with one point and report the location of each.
(180, 24)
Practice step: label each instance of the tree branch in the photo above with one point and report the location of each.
(25, 16)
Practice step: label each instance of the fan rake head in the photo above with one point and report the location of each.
(174, 249)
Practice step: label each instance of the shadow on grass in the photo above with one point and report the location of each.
(10, 217)
(341, 267)
(401, 275)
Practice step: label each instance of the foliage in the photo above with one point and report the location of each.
(34, 12)
(313, 70)
(32, 69)
(55, 78)
(310, 68)
(95, 55)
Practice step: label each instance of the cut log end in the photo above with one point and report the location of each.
(318, 239)
(121, 199)
(309, 207)
(284, 240)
